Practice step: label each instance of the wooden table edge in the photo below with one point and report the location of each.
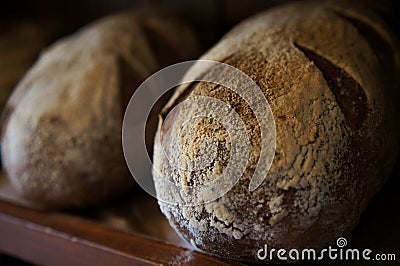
(55, 238)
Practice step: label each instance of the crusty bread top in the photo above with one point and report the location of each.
(319, 75)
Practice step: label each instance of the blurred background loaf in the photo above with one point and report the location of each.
(61, 128)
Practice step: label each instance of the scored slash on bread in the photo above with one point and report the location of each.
(334, 110)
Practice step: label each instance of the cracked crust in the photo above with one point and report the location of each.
(332, 153)
(61, 130)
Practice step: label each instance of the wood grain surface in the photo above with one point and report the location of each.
(52, 238)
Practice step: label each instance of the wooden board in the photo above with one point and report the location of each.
(55, 238)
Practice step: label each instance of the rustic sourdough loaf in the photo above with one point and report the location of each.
(61, 130)
(330, 74)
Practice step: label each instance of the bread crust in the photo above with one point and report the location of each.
(332, 154)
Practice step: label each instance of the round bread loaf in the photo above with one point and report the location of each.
(330, 75)
(61, 130)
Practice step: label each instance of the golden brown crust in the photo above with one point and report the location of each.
(308, 60)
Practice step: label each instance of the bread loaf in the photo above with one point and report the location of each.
(61, 130)
(330, 75)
